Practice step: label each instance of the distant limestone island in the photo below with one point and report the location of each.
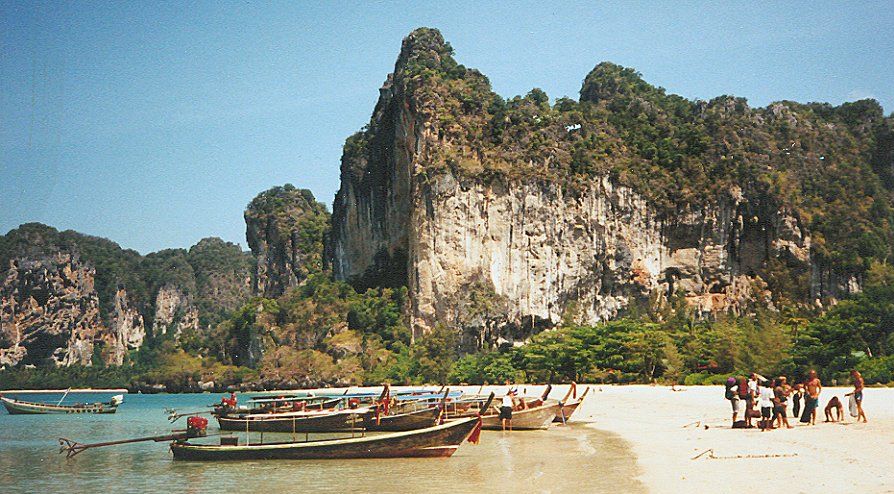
(655, 237)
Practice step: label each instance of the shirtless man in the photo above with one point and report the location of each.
(834, 404)
(858, 394)
(814, 387)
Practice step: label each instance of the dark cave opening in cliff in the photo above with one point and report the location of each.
(387, 271)
(41, 350)
(41, 295)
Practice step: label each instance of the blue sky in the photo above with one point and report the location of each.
(154, 124)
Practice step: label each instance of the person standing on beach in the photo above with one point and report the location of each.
(857, 393)
(780, 403)
(506, 410)
(754, 384)
(796, 401)
(811, 402)
(732, 394)
(745, 398)
(765, 393)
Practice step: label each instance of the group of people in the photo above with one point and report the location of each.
(766, 400)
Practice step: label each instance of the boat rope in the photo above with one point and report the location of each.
(709, 453)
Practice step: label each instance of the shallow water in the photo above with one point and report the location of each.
(576, 457)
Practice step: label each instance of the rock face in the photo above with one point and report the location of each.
(223, 277)
(438, 194)
(284, 228)
(174, 313)
(50, 313)
(552, 253)
(126, 331)
(68, 298)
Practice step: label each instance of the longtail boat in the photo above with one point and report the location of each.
(436, 441)
(393, 416)
(382, 412)
(536, 417)
(301, 421)
(570, 405)
(529, 414)
(279, 405)
(406, 421)
(18, 407)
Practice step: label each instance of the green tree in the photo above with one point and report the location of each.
(434, 354)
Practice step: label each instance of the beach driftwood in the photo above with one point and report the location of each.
(709, 453)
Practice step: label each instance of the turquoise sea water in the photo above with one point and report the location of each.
(574, 458)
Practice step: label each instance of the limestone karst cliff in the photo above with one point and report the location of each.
(174, 312)
(285, 227)
(583, 209)
(51, 315)
(69, 298)
(501, 217)
(126, 330)
(50, 312)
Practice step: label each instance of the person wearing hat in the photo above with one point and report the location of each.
(506, 410)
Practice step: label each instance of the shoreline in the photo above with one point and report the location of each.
(672, 436)
(466, 387)
(72, 390)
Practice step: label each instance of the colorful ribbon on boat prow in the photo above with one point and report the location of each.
(475, 436)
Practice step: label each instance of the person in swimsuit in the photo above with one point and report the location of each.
(857, 393)
(834, 405)
(780, 404)
(796, 400)
(811, 402)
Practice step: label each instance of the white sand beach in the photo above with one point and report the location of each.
(667, 429)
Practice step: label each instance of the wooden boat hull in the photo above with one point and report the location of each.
(409, 421)
(323, 422)
(530, 419)
(567, 410)
(570, 406)
(438, 441)
(15, 407)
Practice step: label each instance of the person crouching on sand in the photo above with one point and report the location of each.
(836, 406)
(506, 410)
(765, 394)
